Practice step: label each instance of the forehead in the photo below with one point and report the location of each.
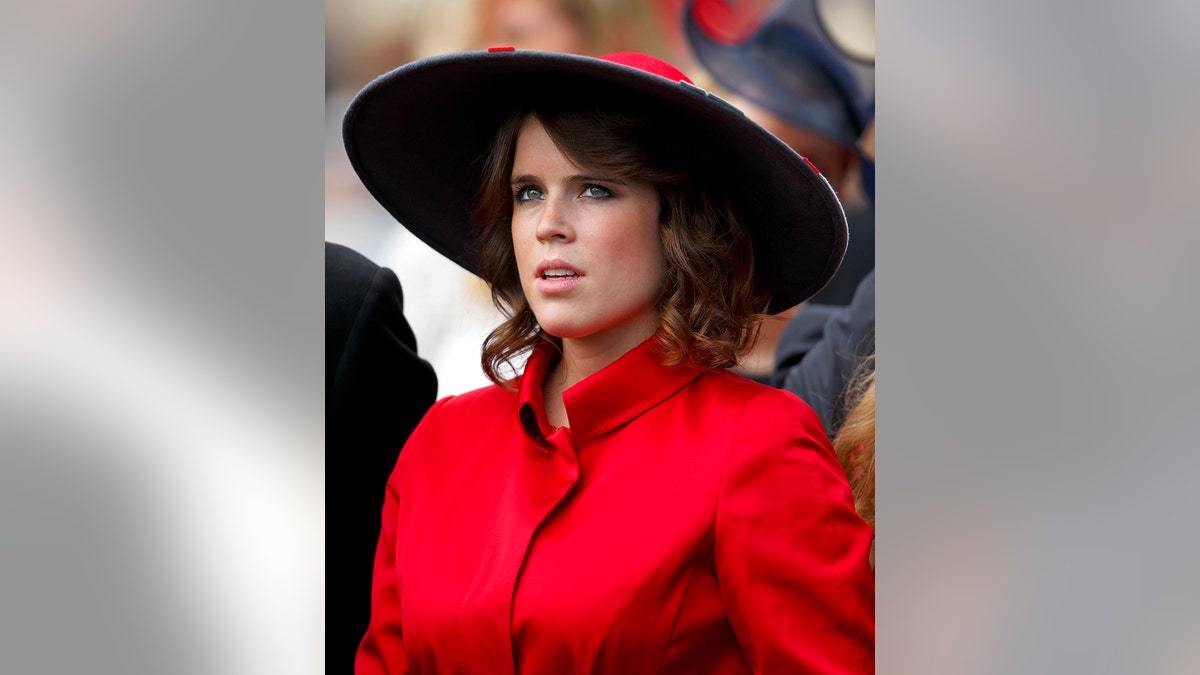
(535, 147)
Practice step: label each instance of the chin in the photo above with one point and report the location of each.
(570, 325)
(564, 331)
(560, 322)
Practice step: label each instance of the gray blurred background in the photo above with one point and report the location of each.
(161, 419)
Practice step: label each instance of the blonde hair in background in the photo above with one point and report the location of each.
(855, 443)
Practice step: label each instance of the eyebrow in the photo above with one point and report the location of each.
(577, 178)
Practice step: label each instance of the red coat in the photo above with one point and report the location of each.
(689, 521)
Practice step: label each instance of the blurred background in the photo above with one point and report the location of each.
(161, 411)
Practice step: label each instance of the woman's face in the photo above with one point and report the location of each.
(587, 246)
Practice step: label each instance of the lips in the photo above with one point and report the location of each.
(555, 277)
(557, 270)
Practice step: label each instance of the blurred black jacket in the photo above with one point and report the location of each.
(376, 390)
(822, 347)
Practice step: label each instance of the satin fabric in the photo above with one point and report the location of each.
(688, 521)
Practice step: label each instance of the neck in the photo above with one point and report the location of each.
(582, 358)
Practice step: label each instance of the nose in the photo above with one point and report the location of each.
(554, 221)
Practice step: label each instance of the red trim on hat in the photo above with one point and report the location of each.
(814, 166)
(501, 49)
(649, 64)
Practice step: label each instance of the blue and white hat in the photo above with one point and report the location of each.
(811, 62)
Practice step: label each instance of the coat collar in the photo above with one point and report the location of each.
(616, 394)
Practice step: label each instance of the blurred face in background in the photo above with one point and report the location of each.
(867, 142)
(544, 25)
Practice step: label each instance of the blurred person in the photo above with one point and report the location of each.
(825, 345)
(762, 53)
(376, 390)
(569, 26)
(363, 36)
(624, 503)
(572, 26)
(827, 357)
(821, 349)
(448, 310)
(853, 329)
(587, 27)
(811, 62)
(806, 68)
(840, 166)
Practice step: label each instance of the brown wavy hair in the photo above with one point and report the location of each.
(711, 303)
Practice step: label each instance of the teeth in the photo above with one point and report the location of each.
(558, 274)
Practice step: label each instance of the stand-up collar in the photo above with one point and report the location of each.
(616, 394)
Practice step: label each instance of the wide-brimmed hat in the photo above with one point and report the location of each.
(417, 137)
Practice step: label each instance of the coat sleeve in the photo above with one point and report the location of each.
(791, 553)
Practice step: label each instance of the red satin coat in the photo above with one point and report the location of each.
(688, 521)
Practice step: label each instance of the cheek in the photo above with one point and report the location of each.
(521, 236)
(639, 256)
(652, 257)
(521, 253)
(652, 243)
(516, 229)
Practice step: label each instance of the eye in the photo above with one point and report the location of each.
(596, 192)
(525, 193)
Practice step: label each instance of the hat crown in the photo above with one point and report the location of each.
(648, 64)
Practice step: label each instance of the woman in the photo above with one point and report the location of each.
(625, 504)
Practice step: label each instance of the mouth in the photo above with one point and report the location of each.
(555, 277)
(557, 270)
